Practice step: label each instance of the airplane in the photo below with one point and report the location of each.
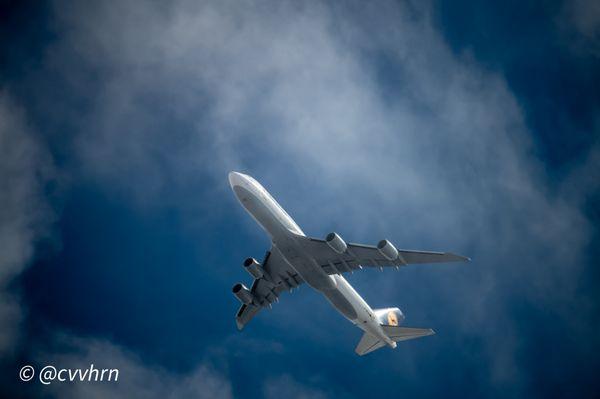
(295, 259)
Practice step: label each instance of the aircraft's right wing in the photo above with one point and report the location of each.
(358, 255)
(279, 277)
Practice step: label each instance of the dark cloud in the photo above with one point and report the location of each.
(583, 17)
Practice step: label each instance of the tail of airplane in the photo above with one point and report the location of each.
(389, 319)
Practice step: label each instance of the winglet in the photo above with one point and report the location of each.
(239, 324)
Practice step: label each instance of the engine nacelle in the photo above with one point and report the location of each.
(242, 293)
(253, 267)
(336, 243)
(386, 249)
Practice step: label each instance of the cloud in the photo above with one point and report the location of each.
(302, 93)
(580, 20)
(285, 386)
(25, 216)
(364, 106)
(137, 378)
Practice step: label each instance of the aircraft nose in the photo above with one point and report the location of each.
(235, 179)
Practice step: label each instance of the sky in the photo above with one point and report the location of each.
(450, 126)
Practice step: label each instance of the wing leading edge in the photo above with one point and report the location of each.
(358, 255)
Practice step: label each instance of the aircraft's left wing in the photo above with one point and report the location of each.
(279, 277)
(358, 255)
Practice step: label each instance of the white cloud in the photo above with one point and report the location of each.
(303, 88)
(137, 378)
(26, 216)
(287, 387)
(25, 168)
(301, 93)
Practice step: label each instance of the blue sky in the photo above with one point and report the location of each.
(459, 127)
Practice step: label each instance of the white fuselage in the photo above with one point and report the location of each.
(285, 234)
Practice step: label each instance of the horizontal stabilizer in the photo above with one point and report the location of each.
(368, 343)
(405, 333)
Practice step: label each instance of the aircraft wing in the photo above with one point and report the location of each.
(279, 277)
(358, 255)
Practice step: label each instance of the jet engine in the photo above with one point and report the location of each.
(253, 267)
(336, 243)
(386, 249)
(242, 293)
